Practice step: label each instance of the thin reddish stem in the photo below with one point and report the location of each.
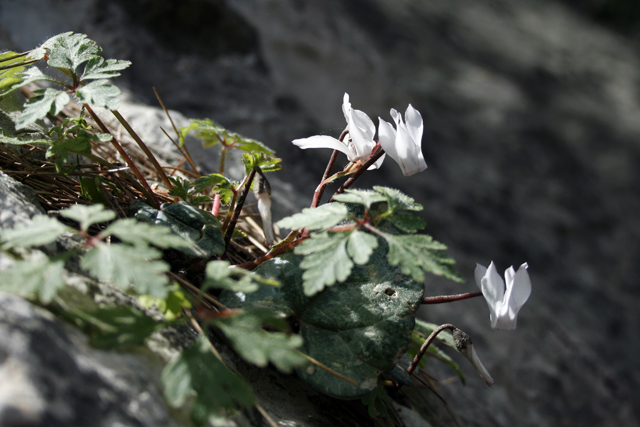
(216, 205)
(278, 250)
(238, 208)
(125, 156)
(450, 298)
(374, 158)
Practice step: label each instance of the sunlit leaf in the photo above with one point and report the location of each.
(41, 230)
(322, 217)
(86, 215)
(125, 266)
(45, 101)
(397, 200)
(100, 93)
(363, 197)
(98, 68)
(28, 278)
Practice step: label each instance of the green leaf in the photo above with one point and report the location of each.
(114, 327)
(212, 134)
(211, 180)
(359, 328)
(44, 48)
(28, 278)
(180, 187)
(171, 306)
(69, 50)
(257, 346)
(264, 161)
(86, 215)
(126, 266)
(100, 93)
(362, 197)
(407, 222)
(41, 230)
(418, 254)
(322, 217)
(219, 275)
(136, 233)
(397, 200)
(360, 246)
(22, 139)
(45, 101)
(10, 79)
(326, 261)
(98, 68)
(198, 227)
(197, 373)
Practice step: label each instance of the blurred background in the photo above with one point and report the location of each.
(532, 137)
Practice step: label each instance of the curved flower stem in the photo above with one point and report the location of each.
(317, 195)
(425, 346)
(450, 298)
(374, 158)
(150, 195)
(238, 209)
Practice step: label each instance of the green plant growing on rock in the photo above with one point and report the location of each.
(334, 301)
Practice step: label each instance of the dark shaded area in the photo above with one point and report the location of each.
(620, 15)
(205, 28)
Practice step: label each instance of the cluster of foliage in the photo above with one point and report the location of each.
(334, 301)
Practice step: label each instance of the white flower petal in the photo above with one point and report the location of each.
(521, 291)
(414, 124)
(324, 141)
(472, 355)
(479, 273)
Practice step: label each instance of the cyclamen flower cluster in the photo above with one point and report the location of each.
(403, 143)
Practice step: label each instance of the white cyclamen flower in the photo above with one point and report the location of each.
(262, 191)
(358, 143)
(404, 145)
(504, 301)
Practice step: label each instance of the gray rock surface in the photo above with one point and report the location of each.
(532, 128)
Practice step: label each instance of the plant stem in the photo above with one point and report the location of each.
(277, 250)
(317, 195)
(183, 149)
(223, 155)
(425, 346)
(216, 205)
(449, 298)
(150, 196)
(238, 208)
(21, 64)
(144, 148)
(359, 172)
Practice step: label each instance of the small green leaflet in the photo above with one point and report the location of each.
(417, 255)
(323, 217)
(113, 327)
(197, 373)
(31, 75)
(212, 134)
(257, 346)
(41, 51)
(100, 93)
(136, 233)
(98, 68)
(362, 197)
(124, 265)
(220, 276)
(86, 215)
(407, 222)
(266, 162)
(171, 306)
(397, 200)
(46, 101)
(68, 51)
(40, 231)
(41, 277)
(329, 257)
